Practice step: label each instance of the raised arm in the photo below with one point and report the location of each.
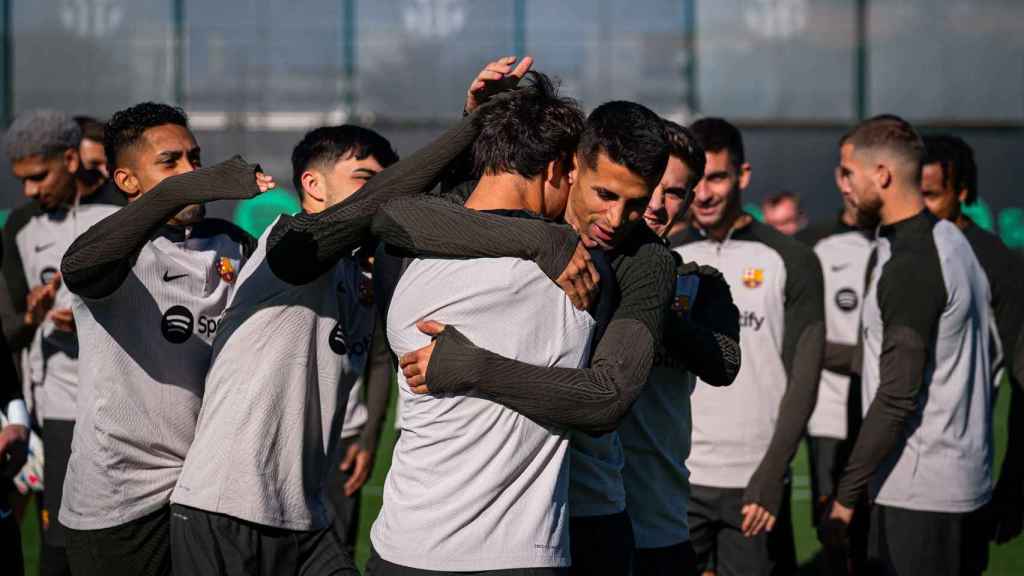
(590, 399)
(100, 259)
(303, 247)
(432, 227)
(803, 344)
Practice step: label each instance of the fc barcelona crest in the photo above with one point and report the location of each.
(753, 277)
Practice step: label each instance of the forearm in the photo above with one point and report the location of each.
(378, 390)
(882, 432)
(795, 410)
(302, 248)
(711, 355)
(100, 259)
(843, 359)
(591, 399)
(436, 228)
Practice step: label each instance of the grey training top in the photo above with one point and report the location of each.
(844, 255)
(284, 359)
(776, 284)
(475, 485)
(41, 239)
(145, 349)
(926, 373)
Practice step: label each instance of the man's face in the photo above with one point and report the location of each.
(161, 152)
(606, 201)
(348, 176)
(93, 157)
(48, 181)
(860, 187)
(670, 199)
(784, 216)
(940, 197)
(718, 192)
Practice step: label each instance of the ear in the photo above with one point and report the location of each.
(962, 195)
(554, 172)
(883, 176)
(574, 172)
(126, 181)
(312, 185)
(71, 160)
(744, 175)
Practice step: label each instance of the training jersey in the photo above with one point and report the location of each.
(656, 440)
(284, 360)
(927, 280)
(474, 485)
(844, 253)
(145, 350)
(775, 282)
(40, 239)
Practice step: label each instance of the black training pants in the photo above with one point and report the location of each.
(205, 543)
(718, 541)
(140, 547)
(601, 545)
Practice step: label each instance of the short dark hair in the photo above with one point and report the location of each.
(127, 126)
(323, 147)
(524, 133)
(892, 133)
(956, 157)
(683, 145)
(92, 128)
(631, 135)
(717, 134)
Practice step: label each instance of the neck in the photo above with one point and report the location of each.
(962, 220)
(730, 219)
(311, 205)
(507, 192)
(901, 202)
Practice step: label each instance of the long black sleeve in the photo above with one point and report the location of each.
(844, 359)
(377, 380)
(13, 301)
(803, 349)
(590, 399)
(100, 259)
(707, 342)
(303, 247)
(431, 227)
(908, 324)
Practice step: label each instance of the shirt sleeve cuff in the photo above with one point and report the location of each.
(17, 413)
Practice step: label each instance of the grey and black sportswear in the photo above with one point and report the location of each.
(745, 436)
(925, 442)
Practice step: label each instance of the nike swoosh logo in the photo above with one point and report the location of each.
(41, 247)
(839, 267)
(168, 278)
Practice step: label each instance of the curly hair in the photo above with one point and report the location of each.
(127, 126)
(956, 157)
(41, 133)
